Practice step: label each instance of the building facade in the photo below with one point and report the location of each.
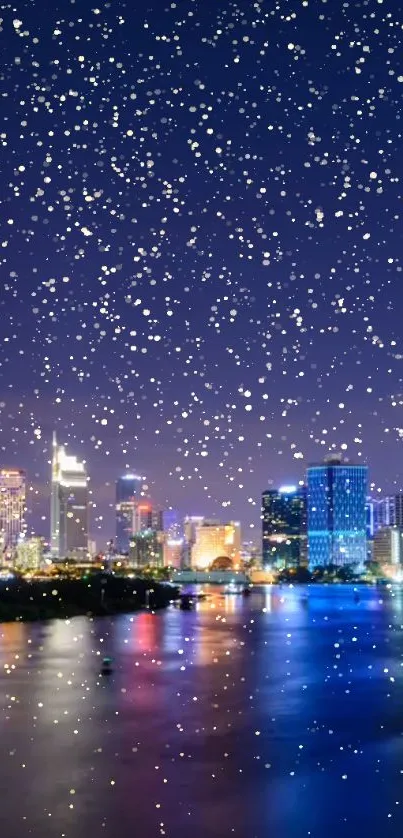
(173, 552)
(388, 546)
(172, 524)
(337, 516)
(146, 549)
(29, 555)
(189, 532)
(134, 514)
(128, 489)
(384, 512)
(69, 505)
(12, 507)
(284, 527)
(213, 541)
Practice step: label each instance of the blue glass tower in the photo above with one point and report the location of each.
(337, 515)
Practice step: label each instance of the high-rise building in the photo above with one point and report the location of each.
(390, 512)
(284, 527)
(172, 525)
(29, 555)
(384, 512)
(69, 504)
(146, 548)
(128, 487)
(337, 518)
(134, 514)
(12, 507)
(189, 531)
(147, 517)
(173, 552)
(371, 512)
(127, 497)
(213, 541)
(388, 546)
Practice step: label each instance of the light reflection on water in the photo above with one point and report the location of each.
(264, 715)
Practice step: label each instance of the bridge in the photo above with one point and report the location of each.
(221, 577)
(209, 577)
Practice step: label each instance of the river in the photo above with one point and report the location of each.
(276, 715)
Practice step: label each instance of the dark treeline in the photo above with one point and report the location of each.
(330, 573)
(100, 594)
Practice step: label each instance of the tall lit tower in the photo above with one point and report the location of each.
(284, 527)
(69, 504)
(12, 506)
(337, 518)
(127, 498)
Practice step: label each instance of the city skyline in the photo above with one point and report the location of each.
(382, 510)
(328, 518)
(104, 495)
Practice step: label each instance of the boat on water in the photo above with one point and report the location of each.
(106, 668)
(233, 588)
(187, 602)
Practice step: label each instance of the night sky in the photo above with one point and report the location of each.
(201, 249)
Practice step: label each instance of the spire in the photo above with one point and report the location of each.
(54, 439)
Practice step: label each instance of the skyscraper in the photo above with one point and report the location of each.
(172, 524)
(128, 487)
(29, 554)
(127, 498)
(388, 546)
(69, 504)
(189, 530)
(389, 512)
(173, 552)
(337, 518)
(284, 527)
(146, 548)
(12, 506)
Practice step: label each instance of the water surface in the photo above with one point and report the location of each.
(279, 715)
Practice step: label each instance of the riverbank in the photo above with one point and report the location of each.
(104, 594)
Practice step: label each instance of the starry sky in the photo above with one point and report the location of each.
(201, 245)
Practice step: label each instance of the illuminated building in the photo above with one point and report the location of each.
(189, 530)
(134, 514)
(69, 504)
(284, 527)
(146, 517)
(30, 554)
(146, 548)
(173, 552)
(250, 554)
(384, 512)
(12, 506)
(172, 524)
(214, 540)
(391, 511)
(388, 512)
(388, 546)
(127, 497)
(337, 518)
(92, 547)
(371, 512)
